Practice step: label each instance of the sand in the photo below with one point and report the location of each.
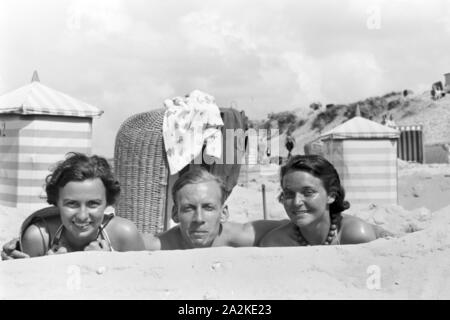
(413, 265)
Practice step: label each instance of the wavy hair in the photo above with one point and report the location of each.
(80, 167)
(321, 168)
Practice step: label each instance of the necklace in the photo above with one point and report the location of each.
(331, 233)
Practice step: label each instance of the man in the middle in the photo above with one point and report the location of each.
(199, 208)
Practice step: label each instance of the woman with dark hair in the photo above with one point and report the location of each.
(314, 200)
(80, 188)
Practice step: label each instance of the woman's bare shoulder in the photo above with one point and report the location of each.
(124, 234)
(282, 236)
(248, 234)
(355, 230)
(35, 239)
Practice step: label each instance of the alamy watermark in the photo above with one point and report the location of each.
(373, 282)
(250, 147)
(73, 282)
(373, 21)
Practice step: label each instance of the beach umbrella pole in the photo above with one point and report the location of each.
(263, 189)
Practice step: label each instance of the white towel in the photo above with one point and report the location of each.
(189, 122)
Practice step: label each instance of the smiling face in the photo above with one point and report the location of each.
(200, 212)
(304, 198)
(81, 205)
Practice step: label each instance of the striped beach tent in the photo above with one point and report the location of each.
(365, 155)
(38, 126)
(410, 145)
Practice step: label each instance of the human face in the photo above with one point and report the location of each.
(200, 212)
(81, 205)
(304, 198)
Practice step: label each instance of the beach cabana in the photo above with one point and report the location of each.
(410, 144)
(365, 155)
(38, 126)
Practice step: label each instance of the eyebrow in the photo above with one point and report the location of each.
(302, 188)
(193, 205)
(70, 199)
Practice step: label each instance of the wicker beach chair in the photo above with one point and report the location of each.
(141, 168)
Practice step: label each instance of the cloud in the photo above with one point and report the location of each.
(351, 75)
(98, 19)
(208, 29)
(445, 19)
(2, 86)
(308, 75)
(264, 56)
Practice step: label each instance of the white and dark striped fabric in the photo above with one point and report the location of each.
(36, 98)
(366, 161)
(361, 128)
(29, 147)
(410, 145)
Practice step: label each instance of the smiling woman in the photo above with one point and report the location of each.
(80, 188)
(314, 200)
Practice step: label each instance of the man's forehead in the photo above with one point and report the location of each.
(199, 190)
(203, 184)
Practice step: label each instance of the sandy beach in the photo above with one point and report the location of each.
(414, 265)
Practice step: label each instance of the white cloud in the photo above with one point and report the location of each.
(210, 30)
(98, 18)
(445, 20)
(421, 88)
(309, 76)
(351, 75)
(2, 86)
(128, 56)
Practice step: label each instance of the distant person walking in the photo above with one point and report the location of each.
(268, 150)
(289, 143)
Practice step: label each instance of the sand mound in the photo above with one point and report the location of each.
(410, 267)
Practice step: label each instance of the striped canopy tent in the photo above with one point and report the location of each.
(38, 126)
(365, 155)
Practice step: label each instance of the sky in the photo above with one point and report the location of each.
(260, 56)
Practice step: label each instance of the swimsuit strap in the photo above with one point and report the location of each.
(57, 236)
(102, 229)
(101, 232)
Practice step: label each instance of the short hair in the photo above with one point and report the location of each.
(198, 175)
(80, 167)
(321, 168)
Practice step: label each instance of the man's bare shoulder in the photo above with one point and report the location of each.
(171, 239)
(234, 234)
(231, 227)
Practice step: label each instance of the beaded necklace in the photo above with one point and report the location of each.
(331, 233)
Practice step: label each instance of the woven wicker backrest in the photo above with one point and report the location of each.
(141, 168)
